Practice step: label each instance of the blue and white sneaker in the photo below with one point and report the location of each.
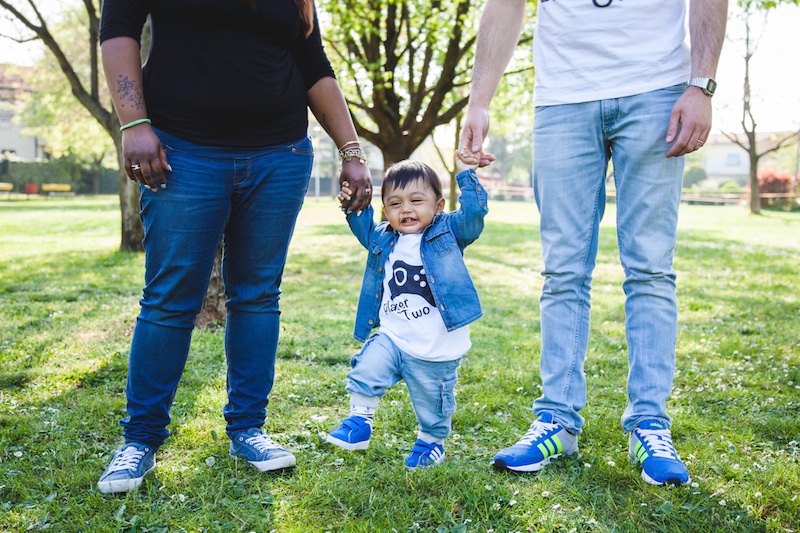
(651, 446)
(127, 469)
(424, 454)
(352, 434)
(261, 451)
(545, 440)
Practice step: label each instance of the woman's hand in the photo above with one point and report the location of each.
(145, 158)
(356, 178)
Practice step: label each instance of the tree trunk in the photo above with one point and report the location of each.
(213, 311)
(755, 194)
(132, 230)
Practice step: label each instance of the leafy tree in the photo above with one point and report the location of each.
(405, 66)
(83, 74)
(748, 140)
(51, 111)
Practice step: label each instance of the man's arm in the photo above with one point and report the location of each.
(692, 112)
(498, 34)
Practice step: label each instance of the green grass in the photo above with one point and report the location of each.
(68, 300)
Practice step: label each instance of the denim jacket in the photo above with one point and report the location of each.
(442, 251)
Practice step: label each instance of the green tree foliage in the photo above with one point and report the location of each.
(52, 113)
(32, 19)
(404, 65)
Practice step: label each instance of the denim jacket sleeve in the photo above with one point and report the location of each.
(376, 238)
(467, 222)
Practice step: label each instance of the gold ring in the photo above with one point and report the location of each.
(700, 142)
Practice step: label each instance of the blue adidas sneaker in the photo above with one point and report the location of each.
(352, 434)
(651, 446)
(545, 440)
(261, 451)
(127, 469)
(424, 454)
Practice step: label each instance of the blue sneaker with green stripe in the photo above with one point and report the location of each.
(545, 440)
(651, 446)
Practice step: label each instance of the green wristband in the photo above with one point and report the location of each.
(134, 123)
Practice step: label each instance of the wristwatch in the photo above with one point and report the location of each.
(707, 84)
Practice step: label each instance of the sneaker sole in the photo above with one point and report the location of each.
(115, 486)
(502, 466)
(279, 463)
(349, 446)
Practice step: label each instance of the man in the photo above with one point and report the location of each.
(615, 81)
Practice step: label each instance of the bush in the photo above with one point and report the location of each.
(772, 181)
(730, 187)
(64, 170)
(693, 175)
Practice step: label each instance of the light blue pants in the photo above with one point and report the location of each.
(431, 385)
(572, 148)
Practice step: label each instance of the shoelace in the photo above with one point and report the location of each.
(127, 459)
(262, 443)
(537, 430)
(659, 441)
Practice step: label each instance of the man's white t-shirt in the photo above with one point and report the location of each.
(583, 52)
(408, 313)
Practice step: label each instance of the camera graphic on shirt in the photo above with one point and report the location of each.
(410, 279)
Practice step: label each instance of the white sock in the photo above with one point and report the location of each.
(363, 406)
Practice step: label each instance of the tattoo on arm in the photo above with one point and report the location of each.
(129, 93)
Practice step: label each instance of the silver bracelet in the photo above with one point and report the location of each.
(346, 154)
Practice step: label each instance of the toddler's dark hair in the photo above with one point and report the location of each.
(402, 173)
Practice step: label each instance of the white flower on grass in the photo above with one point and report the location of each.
(723, 503)
(319, 418)
(757, 494)
(545, 494)
(512, 503)
(210, 461)
(17, 453)
(611, 463)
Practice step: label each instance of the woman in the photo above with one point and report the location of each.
(214, 129)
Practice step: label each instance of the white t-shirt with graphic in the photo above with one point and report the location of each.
(408, 311)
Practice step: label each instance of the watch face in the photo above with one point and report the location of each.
(711, 87)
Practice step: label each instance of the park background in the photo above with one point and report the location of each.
(68, 298)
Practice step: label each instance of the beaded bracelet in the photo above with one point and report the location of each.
(346, 154)
(134, 123)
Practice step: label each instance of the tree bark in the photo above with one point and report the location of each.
(213, 311)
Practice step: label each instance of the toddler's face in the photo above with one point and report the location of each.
(411, 210)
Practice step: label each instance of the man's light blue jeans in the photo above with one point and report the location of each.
(252, 197)
(572, 147)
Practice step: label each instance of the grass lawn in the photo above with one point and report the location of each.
(68, 300)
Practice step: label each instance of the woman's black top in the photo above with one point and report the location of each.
(219, 73)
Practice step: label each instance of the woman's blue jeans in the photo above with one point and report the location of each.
(572, 147)
(250, 199)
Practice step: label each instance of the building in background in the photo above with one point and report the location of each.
(13, 144)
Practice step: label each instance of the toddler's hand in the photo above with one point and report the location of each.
(345, 195)
(466, 160)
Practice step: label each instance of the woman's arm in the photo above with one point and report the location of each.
(329, 107)
(143, 156)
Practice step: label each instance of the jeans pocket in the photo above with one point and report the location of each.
(447, 399)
